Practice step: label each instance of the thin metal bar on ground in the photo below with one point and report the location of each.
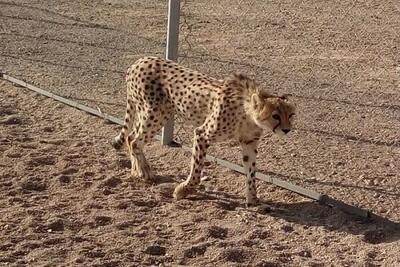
(320, 198)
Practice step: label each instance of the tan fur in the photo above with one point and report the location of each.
(219, 109)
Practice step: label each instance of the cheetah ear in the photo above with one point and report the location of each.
(255, 101)
(244, 81)
(240, 76)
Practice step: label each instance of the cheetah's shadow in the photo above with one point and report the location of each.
(374, 230)
(223, 200)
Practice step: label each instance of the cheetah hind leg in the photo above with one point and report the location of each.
(140, 167)
(148, 124)
(135, 142)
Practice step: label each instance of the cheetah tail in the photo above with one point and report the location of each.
(119, 140)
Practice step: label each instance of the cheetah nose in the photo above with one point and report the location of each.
(285, 130)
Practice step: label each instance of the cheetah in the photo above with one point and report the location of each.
(233, 108)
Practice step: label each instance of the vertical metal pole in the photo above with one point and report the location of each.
(174, 7)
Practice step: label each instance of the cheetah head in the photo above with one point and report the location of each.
(272, 112)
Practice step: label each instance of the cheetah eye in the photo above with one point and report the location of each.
(276, 117)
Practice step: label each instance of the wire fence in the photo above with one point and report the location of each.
(339, 61)
(340, 64)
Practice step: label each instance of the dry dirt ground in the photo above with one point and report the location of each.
(66, 198)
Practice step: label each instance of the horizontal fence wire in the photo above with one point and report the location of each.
(339, 65)
(335, 68)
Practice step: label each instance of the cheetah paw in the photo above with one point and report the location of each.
(141, 170)
(134, 173)
(182, 190)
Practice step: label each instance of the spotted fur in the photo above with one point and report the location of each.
(219, 109)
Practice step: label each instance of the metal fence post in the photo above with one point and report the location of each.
(167, 133)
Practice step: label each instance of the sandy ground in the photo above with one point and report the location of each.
(67, 198)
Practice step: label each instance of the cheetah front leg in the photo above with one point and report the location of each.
(249, 151)
(200, 145)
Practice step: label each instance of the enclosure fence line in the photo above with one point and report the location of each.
(188, 50)
(320, 198)
(191, 48)
(189, 41)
